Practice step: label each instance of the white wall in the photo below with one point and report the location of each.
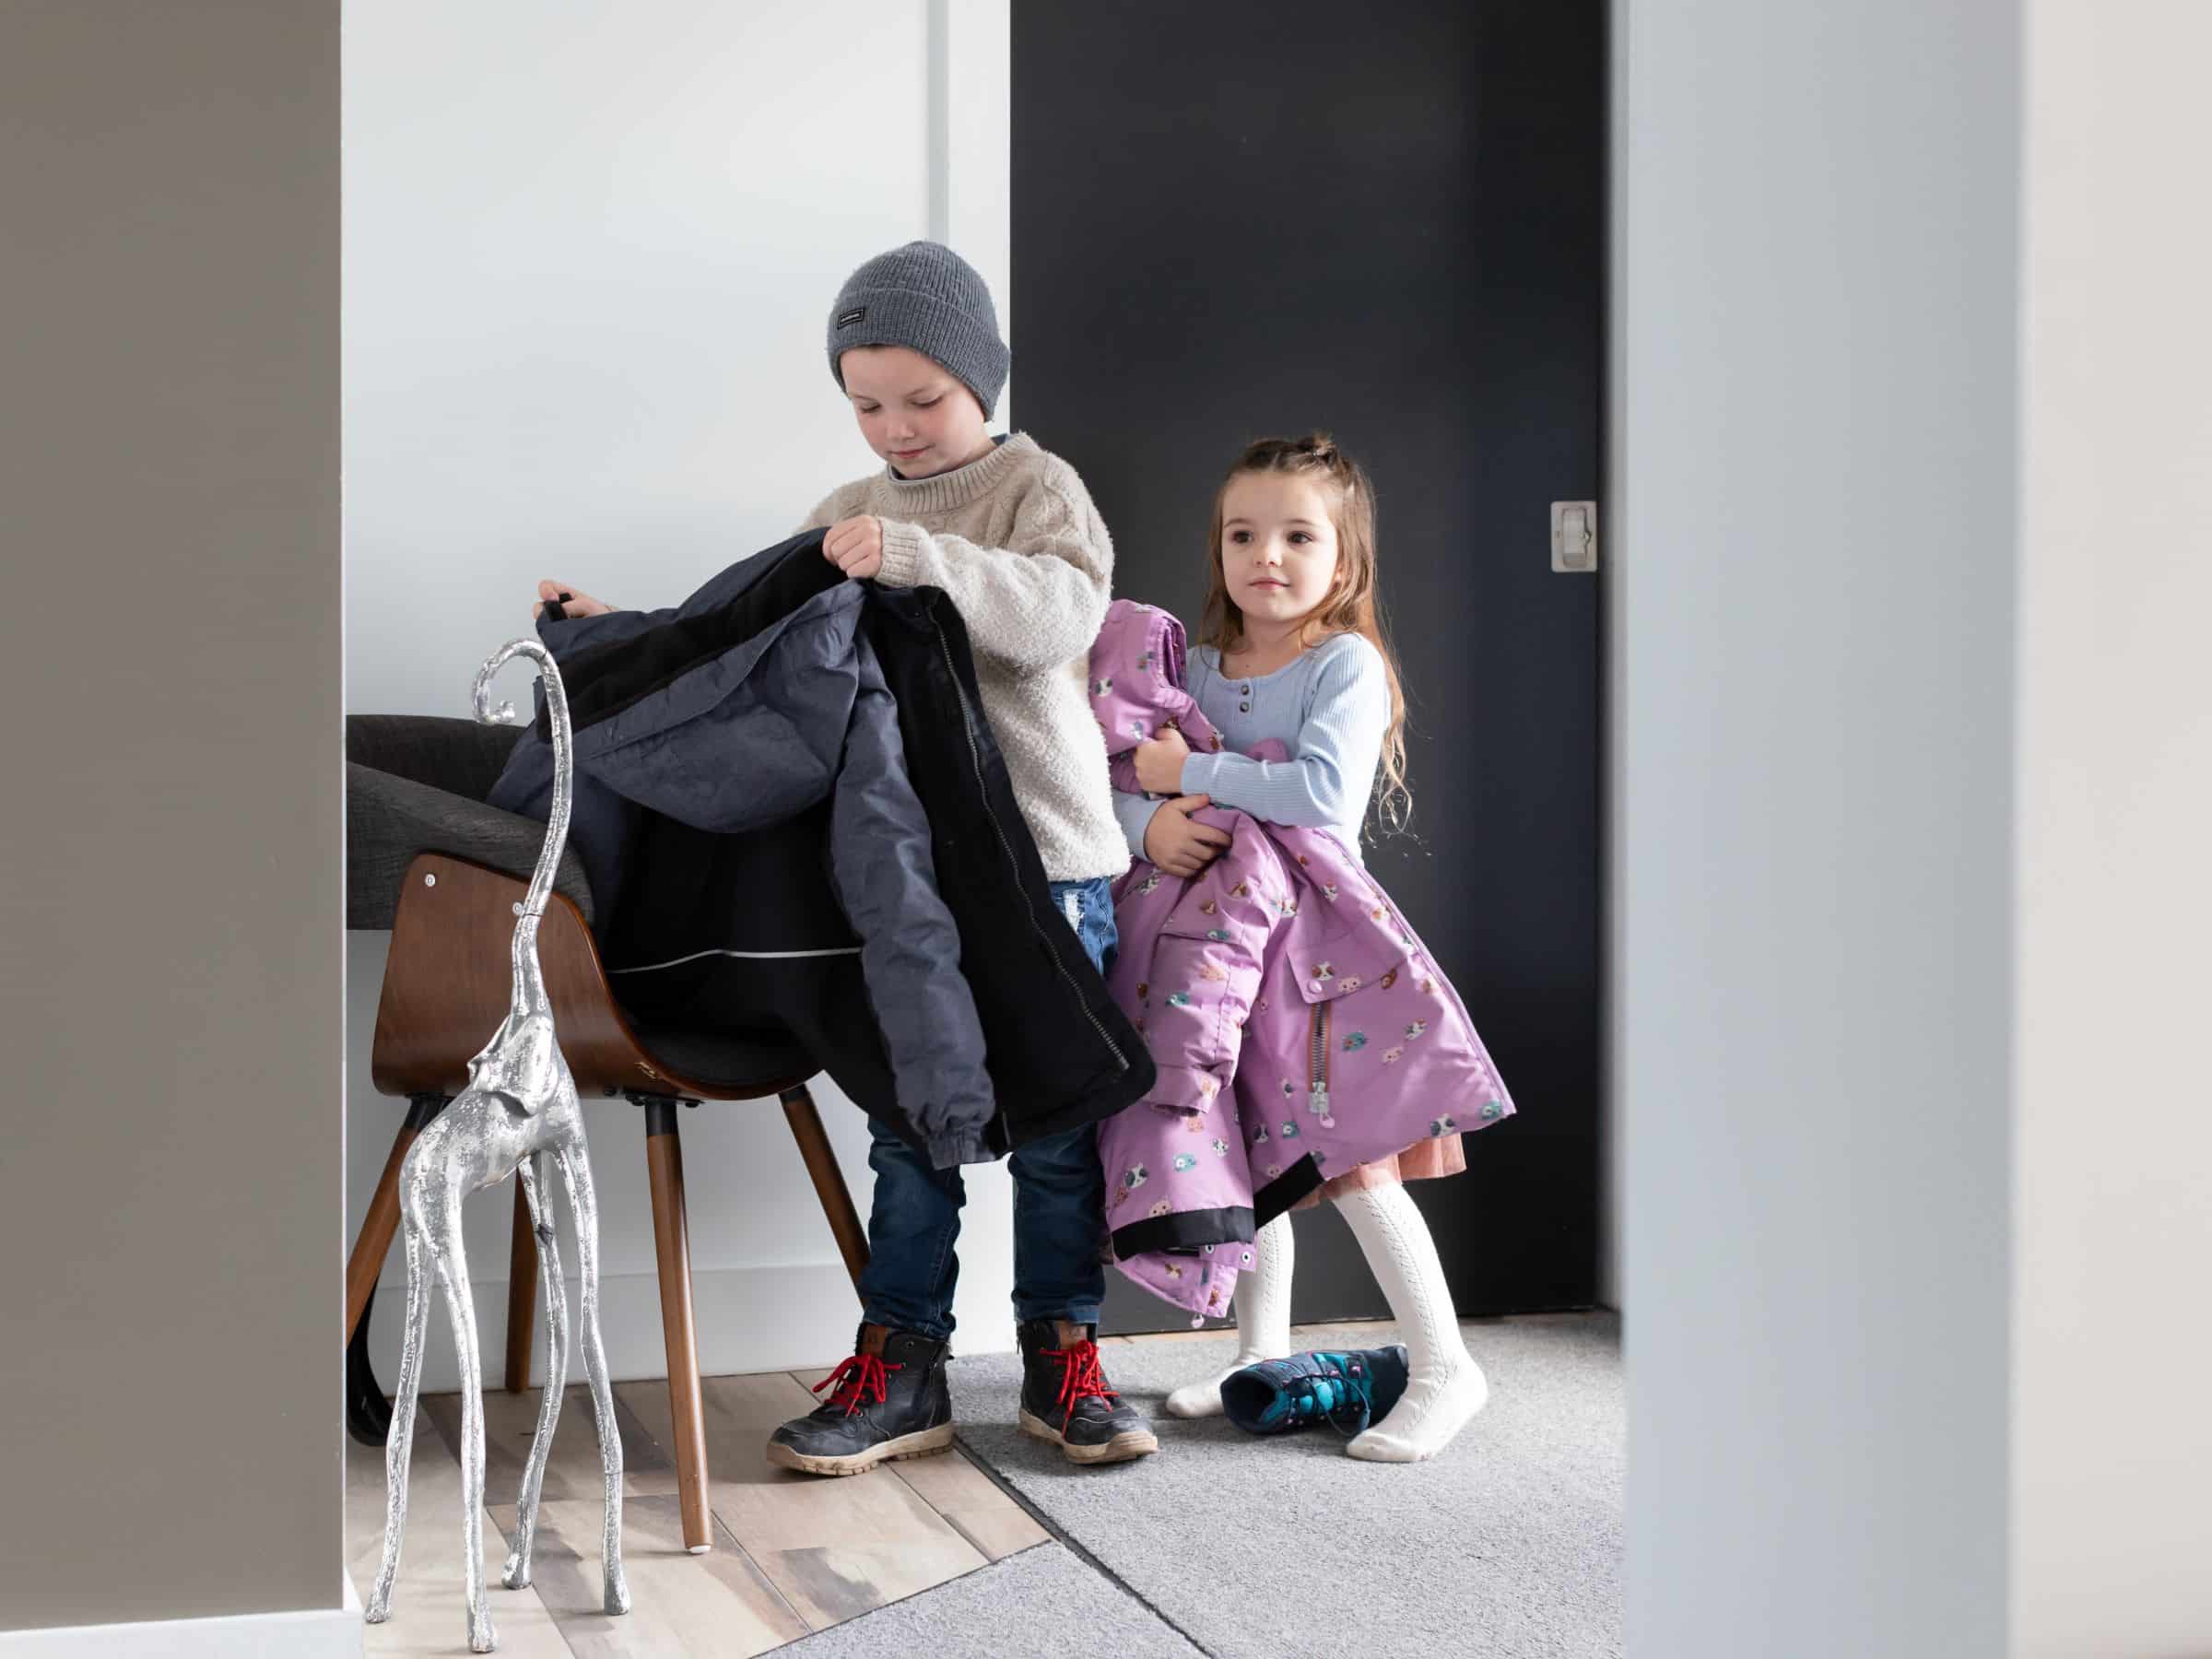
(2112, 1347)
(590, 254)
(1816, 696)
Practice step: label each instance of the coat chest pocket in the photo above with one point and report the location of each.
(1329, 969)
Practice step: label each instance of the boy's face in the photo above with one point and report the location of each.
(913, 414)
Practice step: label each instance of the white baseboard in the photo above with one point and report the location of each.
(313, 1633)
(748, 1319)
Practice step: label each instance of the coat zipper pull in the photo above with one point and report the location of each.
(1317, 1092)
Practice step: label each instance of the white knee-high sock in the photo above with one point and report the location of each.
(1263, 1294)
(1447, 1387)
(1263, 1304)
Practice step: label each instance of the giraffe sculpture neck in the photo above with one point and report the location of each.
(528, 984)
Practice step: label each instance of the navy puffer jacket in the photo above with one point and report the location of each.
(791, 809)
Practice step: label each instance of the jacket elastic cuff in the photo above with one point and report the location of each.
(1183, 1088)
(902, 546)
(951, 1151)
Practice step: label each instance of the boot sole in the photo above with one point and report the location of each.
(923, 1443)
(1125, 1447)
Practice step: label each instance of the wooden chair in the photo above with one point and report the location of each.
(445, 990)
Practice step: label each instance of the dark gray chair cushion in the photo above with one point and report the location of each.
(461, 757)
(416, 783)
(734, 1061)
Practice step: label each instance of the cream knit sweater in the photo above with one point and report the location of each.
(1013, 538)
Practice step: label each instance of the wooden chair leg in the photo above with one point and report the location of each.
(829, 1180)
(521, 1294)
(672, 1245)
(374, 1240)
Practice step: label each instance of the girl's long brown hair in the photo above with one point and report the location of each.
(1353, 605)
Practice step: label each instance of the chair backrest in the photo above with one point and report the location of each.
(461, 757)
(447, 984)
(417, 783)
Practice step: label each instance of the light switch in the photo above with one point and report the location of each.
(1574, 537)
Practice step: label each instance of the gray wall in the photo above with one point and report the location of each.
(170, 945)
(1814, 690)
(2112, 1143)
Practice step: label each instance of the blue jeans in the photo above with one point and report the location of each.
(1059, 1201)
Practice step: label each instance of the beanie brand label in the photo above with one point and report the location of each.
(846, 318)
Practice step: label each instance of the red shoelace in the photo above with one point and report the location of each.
(1080, 1377)
(857, 1379)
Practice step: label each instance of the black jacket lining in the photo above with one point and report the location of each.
(606, 679)
(1184, 1232)
(1286, 1189)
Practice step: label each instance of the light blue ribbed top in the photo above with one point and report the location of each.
(1330, 707)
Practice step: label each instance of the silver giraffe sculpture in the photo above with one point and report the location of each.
(519, 1114)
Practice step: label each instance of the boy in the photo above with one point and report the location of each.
(1009, 533)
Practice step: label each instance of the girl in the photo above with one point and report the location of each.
(1293, 651)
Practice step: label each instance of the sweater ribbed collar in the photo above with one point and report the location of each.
(948, 492)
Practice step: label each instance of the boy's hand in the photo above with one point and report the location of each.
(574, 601)
(1159, 763)
(855, 546)
(1179, 846)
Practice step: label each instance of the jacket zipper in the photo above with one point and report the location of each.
(975, 760)
(1317, 1088)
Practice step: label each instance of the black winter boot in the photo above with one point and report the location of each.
(890, 1401)
(1064, 1397)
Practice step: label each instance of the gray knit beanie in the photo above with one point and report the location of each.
(926, 298)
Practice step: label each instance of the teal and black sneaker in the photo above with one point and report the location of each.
(1346, 1391)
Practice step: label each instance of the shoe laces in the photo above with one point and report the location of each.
(1080, 1377)
(862, 1379)
(1347, 1391)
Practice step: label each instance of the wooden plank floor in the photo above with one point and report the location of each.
(792, 1553)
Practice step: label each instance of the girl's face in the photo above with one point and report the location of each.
(913, 414)
(1279, 547)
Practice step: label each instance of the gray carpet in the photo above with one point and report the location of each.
(1041, 1601)
(1507, 1543)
